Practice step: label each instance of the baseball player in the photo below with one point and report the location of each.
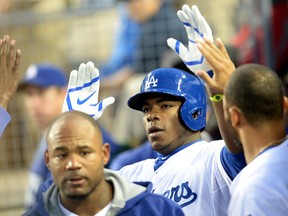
(262, 187)
(188, 170)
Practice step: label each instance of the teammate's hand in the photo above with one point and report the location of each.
(9, 69)
(222, 65)
(83, 90)
(196, 27)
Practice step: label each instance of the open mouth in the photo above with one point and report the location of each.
(153, 131)
(76, 181)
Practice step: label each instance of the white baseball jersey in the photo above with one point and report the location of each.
(261, 188)
(194, 178)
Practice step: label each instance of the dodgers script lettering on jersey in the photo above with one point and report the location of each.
(181, 194)
(194, 178)
(151, 81)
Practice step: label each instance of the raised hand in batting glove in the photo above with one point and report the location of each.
(83, 90)
(196, 28)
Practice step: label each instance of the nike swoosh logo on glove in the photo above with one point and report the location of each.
(87, 98)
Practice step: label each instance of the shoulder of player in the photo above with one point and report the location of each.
(137, 168)
(206, 147)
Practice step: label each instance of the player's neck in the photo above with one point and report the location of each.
(191, 138)
(194, 136)
(257, 140)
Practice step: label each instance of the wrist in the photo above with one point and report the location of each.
(216, 97)
(4, 102)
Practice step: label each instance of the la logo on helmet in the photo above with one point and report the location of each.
(151, 80)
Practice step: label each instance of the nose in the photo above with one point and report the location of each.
(73, 163)
(152, 116)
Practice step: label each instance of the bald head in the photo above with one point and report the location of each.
(74, 123)
(76, 156)
(257, 91)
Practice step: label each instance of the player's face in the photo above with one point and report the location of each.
(43, 104)
(76, 158)
(163, 128)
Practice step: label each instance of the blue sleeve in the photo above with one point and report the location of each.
(232, 163)
(107, 138)
(4, 120)
(153, 205)
(39, 207)
(148, 203)
(38, 166)
(38, 173)
(124, 48)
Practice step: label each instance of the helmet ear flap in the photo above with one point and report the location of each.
(194, 118)
(196, 114)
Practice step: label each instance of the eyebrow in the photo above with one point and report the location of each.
(60, 148)
(83, 147)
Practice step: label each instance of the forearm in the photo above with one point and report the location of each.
(224, 128)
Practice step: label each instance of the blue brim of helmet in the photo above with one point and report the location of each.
(137, 101)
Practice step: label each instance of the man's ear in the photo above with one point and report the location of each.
(46, 157)
(285, 105)
(235, 116)
(106, 153)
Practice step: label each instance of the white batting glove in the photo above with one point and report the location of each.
(196, 27)
(83, 90)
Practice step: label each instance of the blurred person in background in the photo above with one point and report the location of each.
(139, 48)
(44, 87)
(262, 34)
(9, 77)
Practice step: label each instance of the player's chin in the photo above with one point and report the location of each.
(75, 192)
(76, 195)
(157, 145)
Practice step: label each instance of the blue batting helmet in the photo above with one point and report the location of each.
(176, 83)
